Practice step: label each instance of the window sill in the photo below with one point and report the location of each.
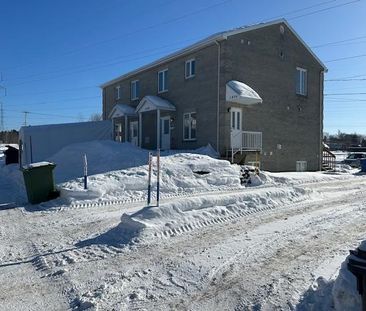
(161, 92)
(190, 77)
(302, 95)
(136, 98)
(189, 140)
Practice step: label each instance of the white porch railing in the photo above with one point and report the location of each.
(251, 140)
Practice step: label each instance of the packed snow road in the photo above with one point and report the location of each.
(257, 249)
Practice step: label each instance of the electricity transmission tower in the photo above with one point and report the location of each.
(25, 117)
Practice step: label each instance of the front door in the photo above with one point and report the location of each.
(236, 132)
(118, 132)
(134, 132)
(165, 133)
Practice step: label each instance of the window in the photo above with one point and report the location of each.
(163, 81)
(301, 166)
(135, 89)
(301, 81)
(117, 94)
(189, 126)
(190, 70)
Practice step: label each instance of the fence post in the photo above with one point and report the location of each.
(85, 172)
(158, 178)
(149, 182)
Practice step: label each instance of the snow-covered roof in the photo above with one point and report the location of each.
(240, 93)
(152, 102)
(209, 40)
(121, 110)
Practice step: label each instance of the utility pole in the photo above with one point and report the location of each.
(2, 127)
(25, 117)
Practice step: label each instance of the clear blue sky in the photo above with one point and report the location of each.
(55, 54)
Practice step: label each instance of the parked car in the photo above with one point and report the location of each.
(353, 159)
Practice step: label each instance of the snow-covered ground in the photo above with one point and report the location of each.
(212, 244)
(340, 155)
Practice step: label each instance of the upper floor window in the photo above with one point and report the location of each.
(117, 90)
(301, 81)
(190, 70)
(135, 89)
(189, 126)
(163, 81)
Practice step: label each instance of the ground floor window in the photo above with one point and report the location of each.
(189, 126)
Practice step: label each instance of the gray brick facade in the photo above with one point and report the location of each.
(264, 58)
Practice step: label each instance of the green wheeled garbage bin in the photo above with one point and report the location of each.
(39, 182)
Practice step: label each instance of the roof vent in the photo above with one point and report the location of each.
(282, 30)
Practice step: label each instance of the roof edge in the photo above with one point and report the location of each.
(208, 41)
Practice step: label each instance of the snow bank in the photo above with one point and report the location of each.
(345, 295)
(178, 175)
(12, 188)
(190, 213)
(295, 178)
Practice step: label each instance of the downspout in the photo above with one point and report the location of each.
(218, 96)
(104, 104)
(321, 117)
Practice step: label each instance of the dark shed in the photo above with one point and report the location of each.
(11, 155)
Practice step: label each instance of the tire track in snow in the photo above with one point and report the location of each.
(227, 277)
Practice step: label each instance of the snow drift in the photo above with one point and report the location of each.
(187, 214)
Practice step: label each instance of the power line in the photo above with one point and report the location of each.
(197, 12)
(142, 29)
(88, 69)
(344, 80)
(325, 9)
(299, 10)
(344, 58)
(336, 42)
(105, 63)
(334, 94)
(55, 91)
(40, 113)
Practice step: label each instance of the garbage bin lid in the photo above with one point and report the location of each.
(38, 164)
(13, 146)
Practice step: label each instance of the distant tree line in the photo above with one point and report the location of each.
(9, 137)
(344, 141)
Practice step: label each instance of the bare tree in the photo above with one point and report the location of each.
(96, 117)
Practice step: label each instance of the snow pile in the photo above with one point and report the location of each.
(105, 156)
(345, 294)
(12, 187)
(180, 174)
(187, 214)
(296, 178)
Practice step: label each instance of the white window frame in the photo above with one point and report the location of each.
(134, 94)
(190, 126)
(164, 86)
(303, 80)
(189, 74)
(118, 93)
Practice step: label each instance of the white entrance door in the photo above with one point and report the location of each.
(134, 133)
(165, 133)
(236, 132)
(118, 132)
